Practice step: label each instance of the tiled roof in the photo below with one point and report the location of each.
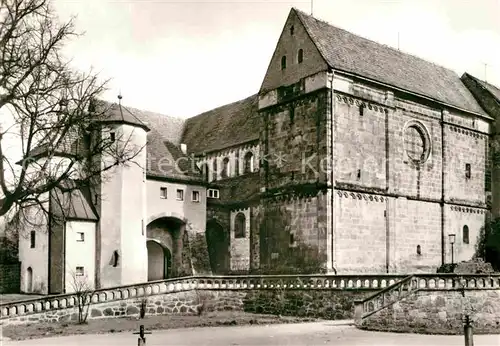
(345, 51)
(72, 204)
(222, 127)
(492, 89)
(113, 112)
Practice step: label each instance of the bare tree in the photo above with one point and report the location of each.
(56, 118)
(84, 292)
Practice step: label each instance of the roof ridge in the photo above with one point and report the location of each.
(482, 81)
(302, 13)
(225, 105)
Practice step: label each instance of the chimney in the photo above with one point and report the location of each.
(184, 148)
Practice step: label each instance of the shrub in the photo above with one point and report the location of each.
(488, 244)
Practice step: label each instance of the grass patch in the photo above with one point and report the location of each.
(125, 324)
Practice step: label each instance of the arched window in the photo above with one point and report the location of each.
(283, 62)
(204, 171)
(248, 163)
(214, 171)
(225, 168)
(300, 56)
(239, 226)
(465, 234)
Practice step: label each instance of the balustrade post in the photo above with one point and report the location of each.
(358, 311)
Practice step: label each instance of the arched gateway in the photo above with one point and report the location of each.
(164, 245)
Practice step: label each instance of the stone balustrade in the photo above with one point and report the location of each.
(225, 283)
(423, 283)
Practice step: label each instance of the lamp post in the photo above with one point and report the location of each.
(452, 241)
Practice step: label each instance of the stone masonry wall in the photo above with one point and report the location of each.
(326, 304)
(292, 235)
(439, 312)
(288, 45)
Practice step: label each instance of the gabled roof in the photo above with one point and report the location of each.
(345, 51)
(223, 127)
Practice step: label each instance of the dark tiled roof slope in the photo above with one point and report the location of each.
(493, 90)
(223, 127)
(348, 52)
(241, 189)
(72, 204)
(113, 112)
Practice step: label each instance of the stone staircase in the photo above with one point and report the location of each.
(410, 285)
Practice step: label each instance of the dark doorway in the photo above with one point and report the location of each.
(218, 247)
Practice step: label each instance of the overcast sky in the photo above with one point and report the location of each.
(184, 57)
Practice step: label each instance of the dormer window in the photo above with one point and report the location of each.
(283, 62)
(300, 56)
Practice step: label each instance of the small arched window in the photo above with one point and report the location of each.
(248, 162)
(239, 226)
(283, 62)
(225, 168)
(465, 234)
(300, 56)
(214, 171)
(292, 29)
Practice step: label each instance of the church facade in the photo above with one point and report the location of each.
(352, 158)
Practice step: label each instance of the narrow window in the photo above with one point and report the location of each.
(225, 168)
(180, 195)
(80, 236)
(79, 271)
(214, 172)
(467, 170)
(163, 192)
(239, 225)
(112, 137)
(359, 174)
(32, 239)
(465, 234)
(292, 29)
(300, 56)
(116, 257)
(362, 109)
(248, 162)
(292, 114)
(292, 239)
(283, 62)
(204, 171)
(195, 196)
(419, 250)
(237, 164)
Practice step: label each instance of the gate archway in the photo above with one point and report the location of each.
(165, 246)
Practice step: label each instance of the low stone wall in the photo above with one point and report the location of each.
(439, 312)
(328, 304)
(10, 277)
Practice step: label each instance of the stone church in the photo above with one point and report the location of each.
(353, 157)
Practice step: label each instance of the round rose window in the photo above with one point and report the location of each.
(415, 144)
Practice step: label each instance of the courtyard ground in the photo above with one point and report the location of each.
(315, 333)
(114, 325)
